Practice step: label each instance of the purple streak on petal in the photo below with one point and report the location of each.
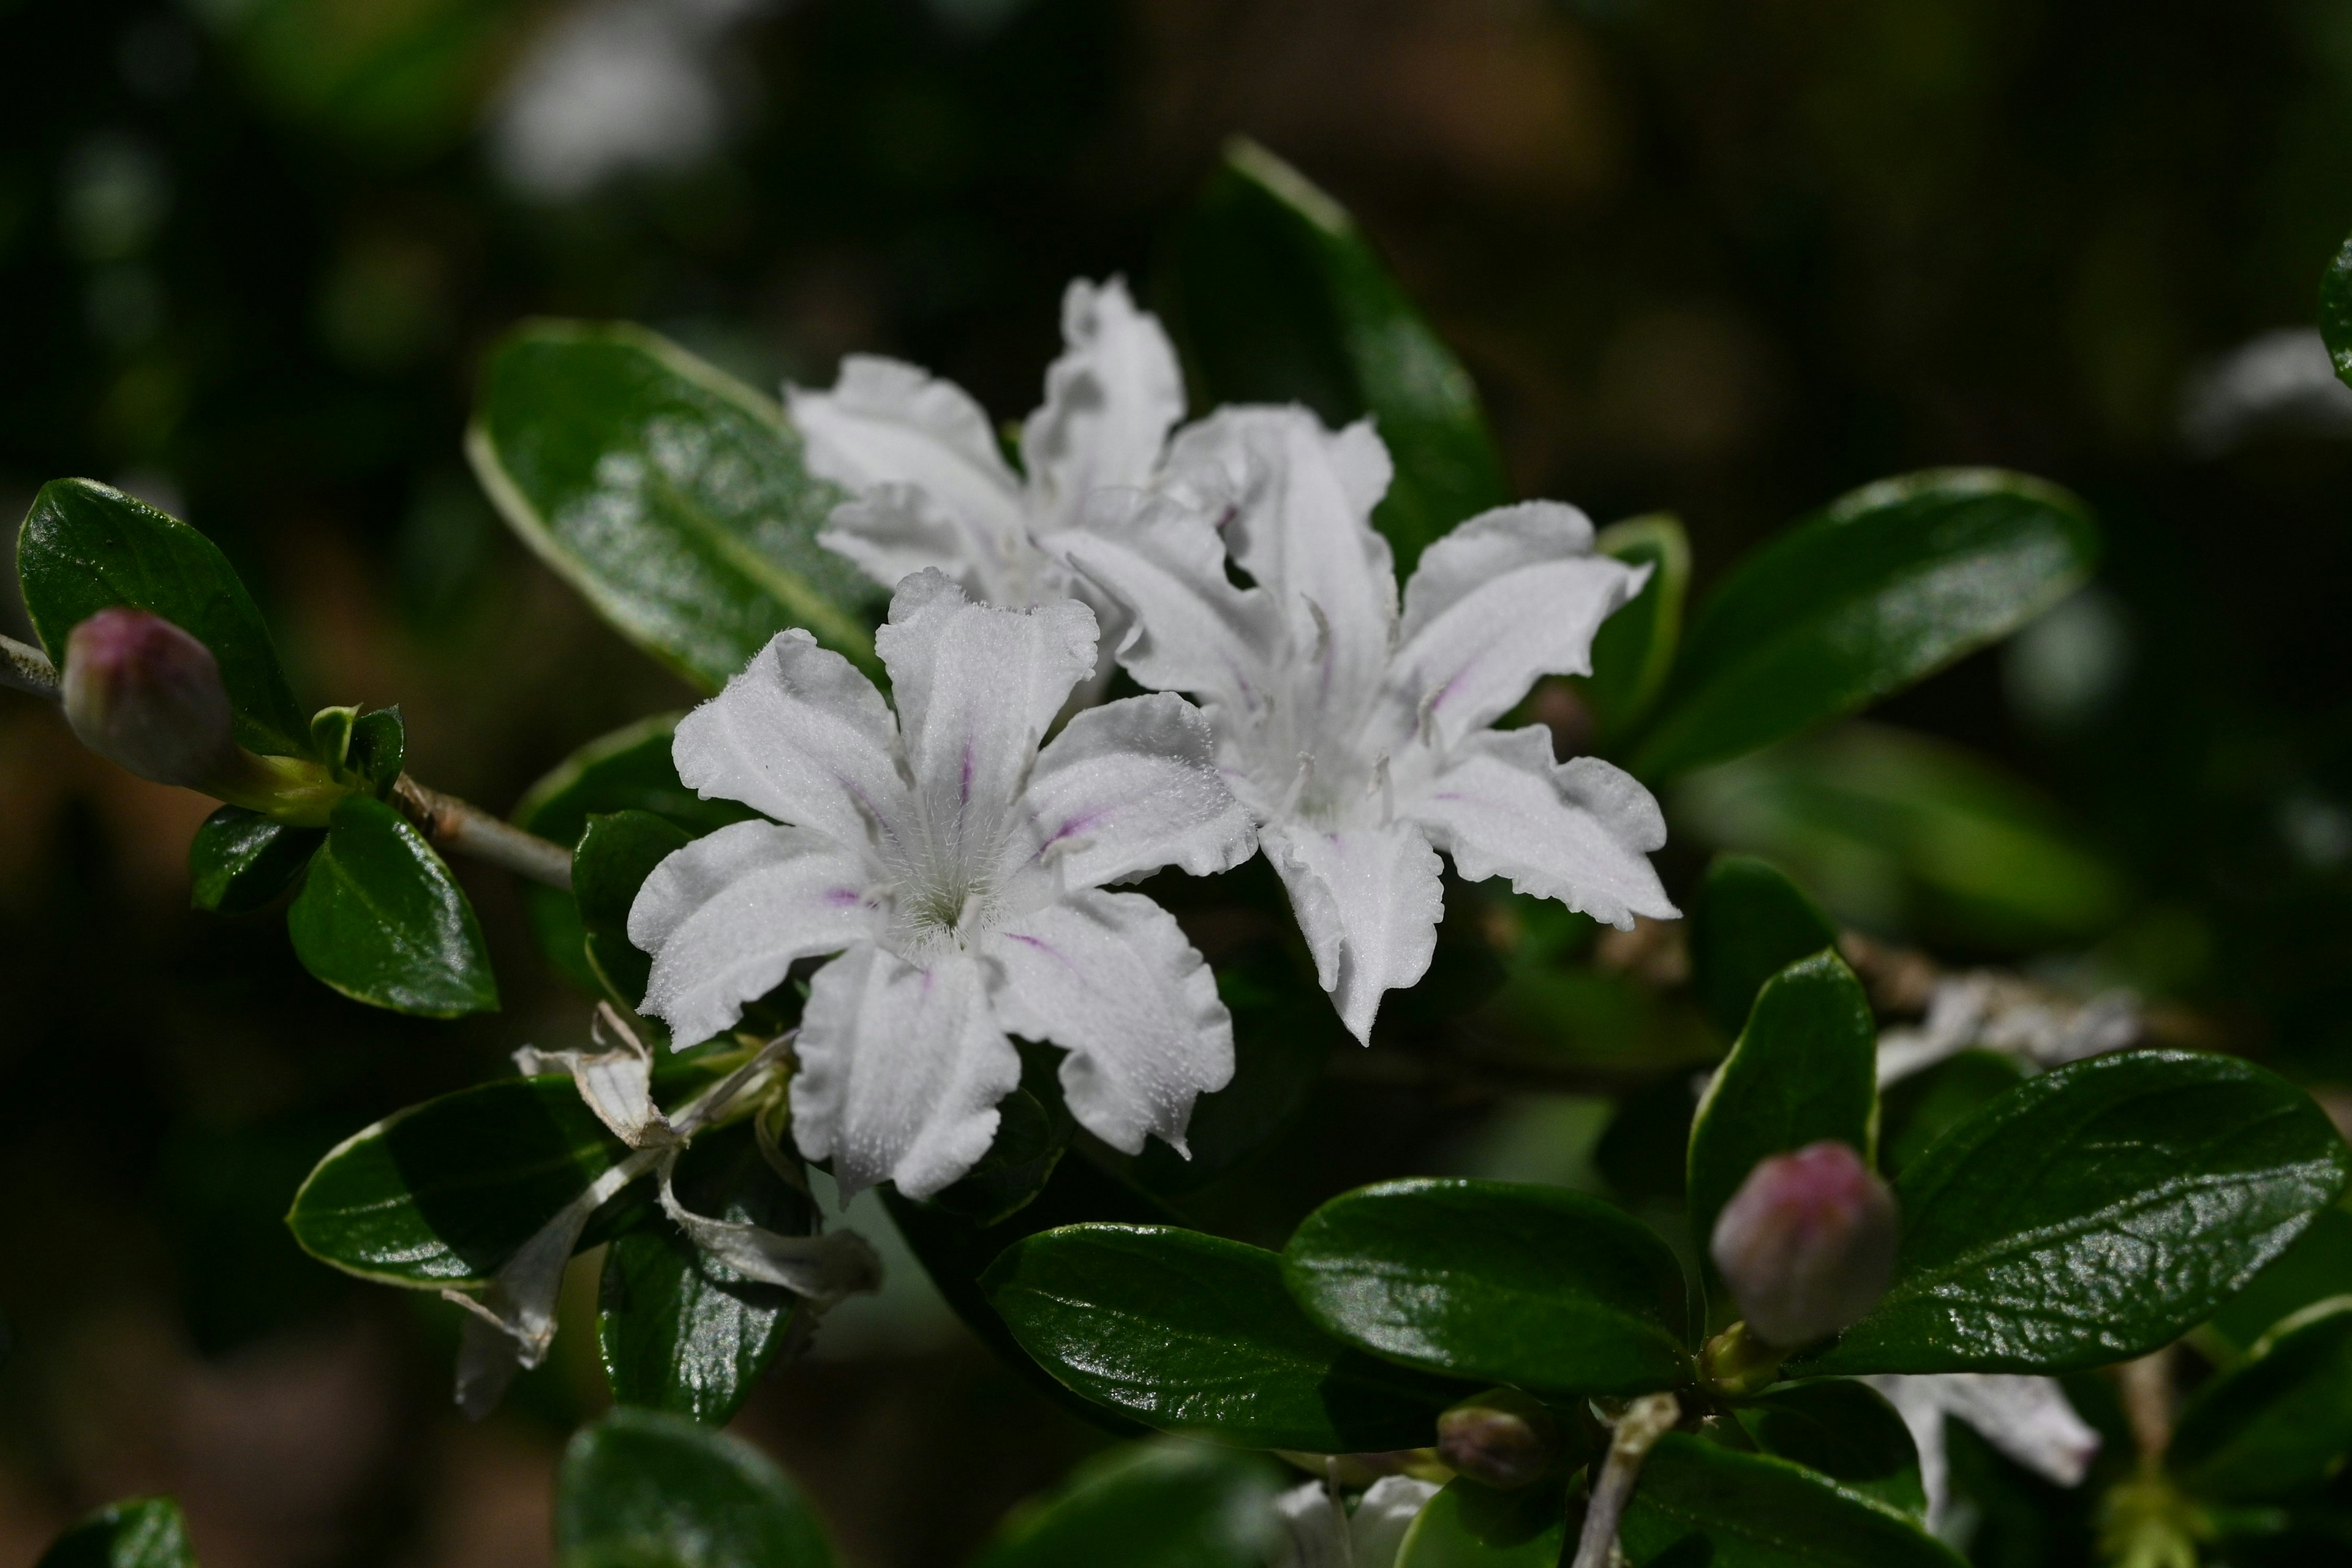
(843, 897)
(964, 797)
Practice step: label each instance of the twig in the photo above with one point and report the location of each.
(2145, 1388)
(27, 668)
(1645, 1421)
(454, 824)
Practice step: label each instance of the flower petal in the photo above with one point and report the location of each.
(2026, 1418)
(725, 917)
(1368, 901)
(801, 736)
(1580, 831)
(900, 1071)
(1511, 594)
(976, 687)
(893, 530)
(1110, 401)
(1110, 979)
(1128, 788)
(889, 423)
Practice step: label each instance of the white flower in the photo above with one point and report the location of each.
(932, 488)
(957, 870)
(1360, 738)
(2026, 1418)
(1317, 1531)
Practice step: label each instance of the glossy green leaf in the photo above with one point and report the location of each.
(644, 1488)
(87, 547)
(240, 860)
(1161, 1504)
(1748, 922)
(1633, 652)
(2335, 311)
(678, 1329)
(629, 770)
(1194, 1334)
(615, 855)
(378, 749)
(1805, 1070)
(1902, 833)
(1495, 1282)
(2318, 1266)
(140, 1533)
(382, 920)
(1698, 1503)
(1277, 298)
(1882, 587)
(1467, 1525)
(2094, 1213)
(2277, 1424)
(1842, 1430)
(670, 495)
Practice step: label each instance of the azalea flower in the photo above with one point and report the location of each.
(1360, 735)
(957, 871)
(932, 489)
(2026, 1418)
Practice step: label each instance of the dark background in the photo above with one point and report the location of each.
(1719, 257)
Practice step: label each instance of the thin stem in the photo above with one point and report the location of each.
(1645, 1421)
(454, 824)
(27, 668)
(2145, 1388)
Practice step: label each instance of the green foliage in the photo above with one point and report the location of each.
(1633, 652)
(382, 920)
(1883, 586)
(669, 494)
(240, 860)
(616, 855)
(1194, 1334)
(1924, 1107)
(1149, 1505)
(2278, 1424)
(1844, 1431)
(1805, 1070)
(2094, 1214)
(1752, 1510)
(1495, 1282)
(641, 1489)
(1276, 296)
(2335, 311)
(1748, 922)
(2318, 1266)
(1467, 1525)
(1030, 1142)
(140, 1533)
(87, 547)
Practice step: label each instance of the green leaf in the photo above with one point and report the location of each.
(1029, 1143)
(615, 855)
(1882, 587)
(1276, 296)
(1921, 1109)
(87, 547)
(1699, 1504)
(140, 1533)
(1495, 1282)
(1844, 1431)
(1467, 1525)
(1748, 922)
(2094, 1214)
(2277, 1424)
(382, 920)
(1194, 1334)
(1149, 1505)
(1899, 832)
(240, 860)
(378, 750)
(1633, 652)
(643, 1488)
(2318, 1266)
(678, 1329)
(670, 495)
(2335, 311)
(1804, 1069)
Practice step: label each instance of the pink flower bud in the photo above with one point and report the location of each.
(1807, 1245)
(1502, 1438)
(145, 694)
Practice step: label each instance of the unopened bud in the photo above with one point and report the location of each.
(1501, 1437)
(141, 693)
(1807, 1245)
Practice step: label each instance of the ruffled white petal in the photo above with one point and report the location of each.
(1368, 901)
(1110, 401)
(893, 531)
(725, 917)
(889, 423)
(1580, 831)
(800, 736)
(1511, 594)
(2026, 1418)
(1128, 788)
(900, 1071)
(1110, 979)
